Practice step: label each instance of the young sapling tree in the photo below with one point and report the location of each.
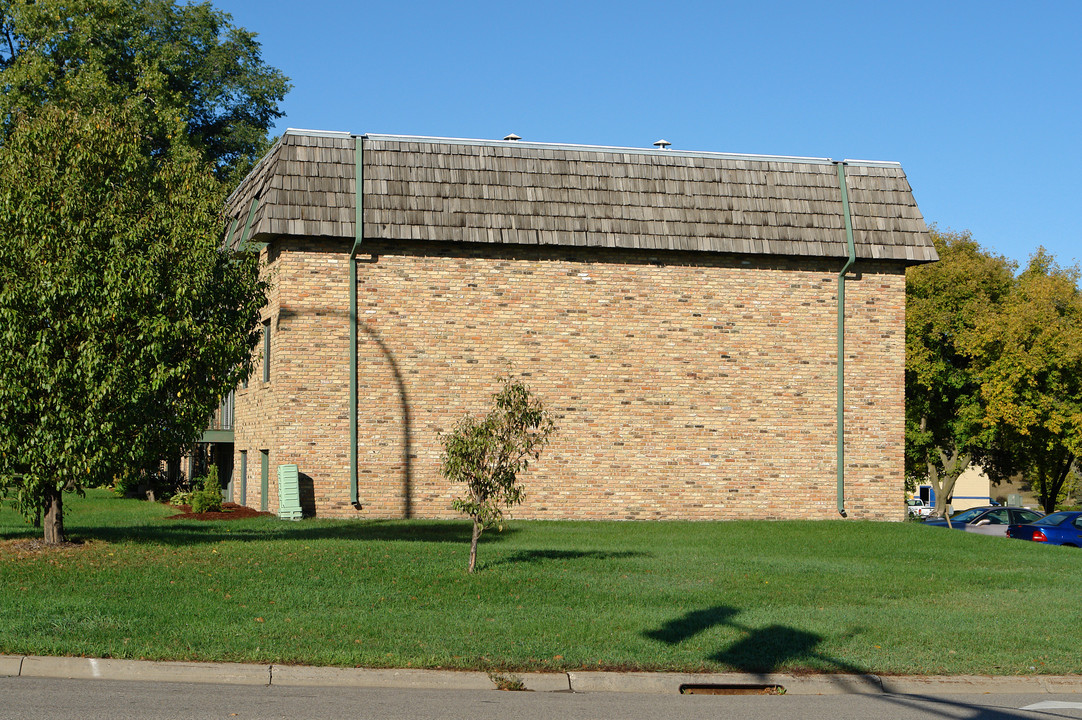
(487, 454)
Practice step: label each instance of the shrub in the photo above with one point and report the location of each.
(126, 484)
(182, 497)
(209, 498)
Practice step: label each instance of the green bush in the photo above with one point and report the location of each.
(181, 498)
(126, 484)
(152, 484)
(209, 498)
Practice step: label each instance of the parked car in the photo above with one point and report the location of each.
(1059, 528)
(916, 506)
(988, 520)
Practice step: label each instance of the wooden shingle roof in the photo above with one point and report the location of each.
(440, 189)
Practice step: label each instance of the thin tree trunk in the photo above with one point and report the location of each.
(954, 464)
(473, 544)
(1054, 484)
(54, 517)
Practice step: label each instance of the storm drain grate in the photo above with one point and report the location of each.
(732, 689)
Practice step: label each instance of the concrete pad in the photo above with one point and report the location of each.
(138, 670)
(10, 665)
(375, 677)
(950, 684)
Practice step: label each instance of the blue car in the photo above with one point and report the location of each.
(1059, 528)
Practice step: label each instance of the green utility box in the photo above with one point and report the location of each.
(289, 493)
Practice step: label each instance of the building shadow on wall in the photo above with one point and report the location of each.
(307, 491)
(404, 406)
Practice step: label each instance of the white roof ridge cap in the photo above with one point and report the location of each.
(318, 133)
(596, 148)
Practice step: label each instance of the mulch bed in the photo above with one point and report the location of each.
(32, 546)
(230, 511)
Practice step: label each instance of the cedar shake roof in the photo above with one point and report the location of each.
(515, 192)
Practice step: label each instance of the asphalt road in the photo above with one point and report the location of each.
(46, 699)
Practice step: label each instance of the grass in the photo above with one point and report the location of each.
(754, 596)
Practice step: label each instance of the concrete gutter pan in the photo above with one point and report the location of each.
(574, 681)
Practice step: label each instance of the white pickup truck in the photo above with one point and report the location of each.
(916, 506)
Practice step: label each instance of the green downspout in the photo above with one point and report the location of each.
(358, 235)
(841, 335)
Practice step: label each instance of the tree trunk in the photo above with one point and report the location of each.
(54, 517)
(473, 544)
(1051, 486)
(954, 464)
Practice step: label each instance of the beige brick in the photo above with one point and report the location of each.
(685, 385)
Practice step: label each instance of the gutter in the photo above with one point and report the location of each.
(358, 236)
(841, 334)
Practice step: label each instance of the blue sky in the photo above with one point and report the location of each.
(979, 101)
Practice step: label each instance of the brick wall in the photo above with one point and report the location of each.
(257, 420)
(686, 385)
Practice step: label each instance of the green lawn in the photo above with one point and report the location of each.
(825, 596)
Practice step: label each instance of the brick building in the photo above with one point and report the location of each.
(677, 310)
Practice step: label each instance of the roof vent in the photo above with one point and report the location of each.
(512, 137)
(663, 144)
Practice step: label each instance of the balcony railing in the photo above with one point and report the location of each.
(222, 419)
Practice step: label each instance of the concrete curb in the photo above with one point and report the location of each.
(574, 681)
(375, 677)
(11, 665)
(999, 684)
(139, 670)
(724, 682)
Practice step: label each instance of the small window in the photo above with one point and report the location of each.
(266, 351)
(243, 477)
(264, 479)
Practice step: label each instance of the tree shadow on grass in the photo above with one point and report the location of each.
(761, 651)
(536, 556)
(194, 532)
(691, 624)
(772, 649)
(768, 649)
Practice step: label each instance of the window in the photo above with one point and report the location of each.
(264, 480)
(243, 477)
(266, 351)
(1023, 517)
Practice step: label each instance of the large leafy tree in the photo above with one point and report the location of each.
(121, 319)
(1028, 353)
(945, 414)
(193, 74)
